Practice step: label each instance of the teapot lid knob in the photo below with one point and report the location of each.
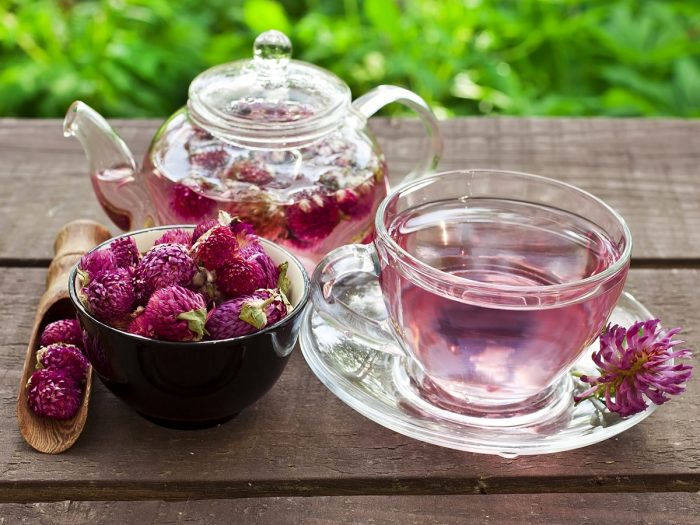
(274, 46)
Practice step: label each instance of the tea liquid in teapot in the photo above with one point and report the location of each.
(311, 198)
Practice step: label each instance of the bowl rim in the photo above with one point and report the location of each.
(77, 303)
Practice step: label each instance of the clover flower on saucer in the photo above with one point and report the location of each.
(637, 365)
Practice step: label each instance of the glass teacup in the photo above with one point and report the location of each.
(494, 283)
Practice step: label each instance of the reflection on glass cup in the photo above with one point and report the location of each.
(494, 283)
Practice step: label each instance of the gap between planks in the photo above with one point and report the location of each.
(43, 491)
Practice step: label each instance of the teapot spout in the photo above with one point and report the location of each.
(104, 149)
(113, 171)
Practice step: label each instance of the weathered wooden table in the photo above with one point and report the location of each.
(300, 455)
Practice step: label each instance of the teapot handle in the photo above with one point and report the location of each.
(372, 101)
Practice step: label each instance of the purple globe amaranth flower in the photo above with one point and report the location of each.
(255, 254)
(110, 296)
(250, 250)
(64, 331)
(175, 313)
(189, 205)
(356, 202)
(202, 228)
(126, 253)
(141, 325)
(215, 248)
(52, 393)
(312, 217)
(176, 236)
(240, 277)
(64, 357)
(270, 306)
(248, 171)
(163, 265)
(635, 365)
(247, 314)
(210, 159)
(244, 232)
(94, 263)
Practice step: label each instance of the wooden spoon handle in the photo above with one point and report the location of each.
(72, 241)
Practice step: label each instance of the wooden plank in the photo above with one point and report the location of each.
(647, 169)
(300, 440)
(670, 509)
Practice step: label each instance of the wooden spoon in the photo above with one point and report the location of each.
(49, 435)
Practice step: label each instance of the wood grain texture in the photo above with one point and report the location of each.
(647, 169)
(300, 440)
(667, 509)
(44, 434)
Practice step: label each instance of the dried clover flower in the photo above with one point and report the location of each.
(126, 253)
(52, 393)
(63, 331)
(247, 314)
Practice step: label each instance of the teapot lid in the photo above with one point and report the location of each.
(270, 100)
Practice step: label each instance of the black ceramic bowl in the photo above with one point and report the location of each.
(199, 384)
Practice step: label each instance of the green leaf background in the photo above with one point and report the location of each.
(136, 58)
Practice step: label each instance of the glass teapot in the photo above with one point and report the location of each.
(272, 140)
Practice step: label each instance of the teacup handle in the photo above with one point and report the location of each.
(372, 101)
(339, 264)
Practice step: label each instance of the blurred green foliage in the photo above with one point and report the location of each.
(135, 58)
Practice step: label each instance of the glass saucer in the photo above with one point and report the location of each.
(376, 385)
